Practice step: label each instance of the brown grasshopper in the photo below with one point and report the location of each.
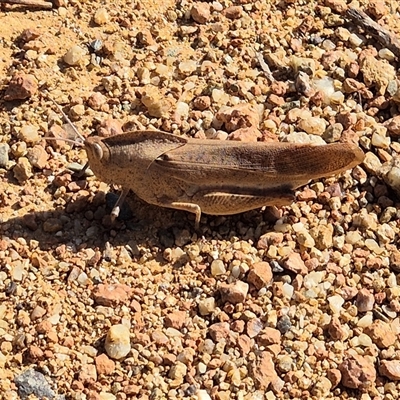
(212, 176)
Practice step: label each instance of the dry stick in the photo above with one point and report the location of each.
(29, 3)
(381, 34)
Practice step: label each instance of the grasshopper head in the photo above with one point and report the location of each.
(98, 155)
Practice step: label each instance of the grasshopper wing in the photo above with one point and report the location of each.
(218, 164)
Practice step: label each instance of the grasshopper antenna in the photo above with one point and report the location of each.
(66, 118)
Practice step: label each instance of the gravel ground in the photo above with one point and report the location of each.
(300, 302)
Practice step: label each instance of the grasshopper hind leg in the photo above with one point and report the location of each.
(190, 207)
(227, 202)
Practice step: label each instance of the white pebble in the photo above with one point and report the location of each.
(335, 303)
(203, 395)
(118, 343)
(386, 54)
(207, 306)
(217, 268)
(365, 321)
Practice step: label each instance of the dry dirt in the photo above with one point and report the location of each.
(297, 302)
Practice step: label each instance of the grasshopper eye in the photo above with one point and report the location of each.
(98, 151)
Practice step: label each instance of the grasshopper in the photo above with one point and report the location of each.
(211, 176)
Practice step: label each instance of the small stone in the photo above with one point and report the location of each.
(390, 369)
(97, 101)
(101, 16)
(335, 303)
(29, 134)
(219, 331)
(234, 292)
(239, 116)
(295, 264)
(254, 327)
(336, 330)
(177, 373)
(175, 320)
(111, 295)
(218, 268)
(260, 275)
(74, 55)
(381, 334)
(104, 365)
(203, 395)
(250, 134)
(377, 72)
(4, 155)
(201, 12)
(233, 12)
(357, 372)
(335, 376)
(207, 306)
(313, 125)
(263, 371)
(31, 382)
(30, 34)
(353, 237)
(393, 126)
(117, 343)
(87, 374)
(269, 336)
(202, 103)
(38, 157)
(322, 387)
(22, 170)
(365, 300)
(110, 127)
(22, 86)
(77, 111)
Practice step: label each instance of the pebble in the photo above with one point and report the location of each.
(390, 369)
(365, 300)
(358, 372)
(101, 16)
(201, 12)
(74, 55)
(239, 116)
(218, 268)
(335, 303)
(175, 319)
(22, 170)
(111, 295)
(207, 306)
(233, 12)
(22, 86)
(313, 126)
(37, 157)
(4, 155)
(381, 334)
(234, 292)
(295, 264)
(118, 343)
(29, 134)
(104, 365)
(32, 382)
(260, 275)
(110, 127)
(263, 371)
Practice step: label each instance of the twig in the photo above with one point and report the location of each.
(381, 34)
(265, 68)
(30, 3)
